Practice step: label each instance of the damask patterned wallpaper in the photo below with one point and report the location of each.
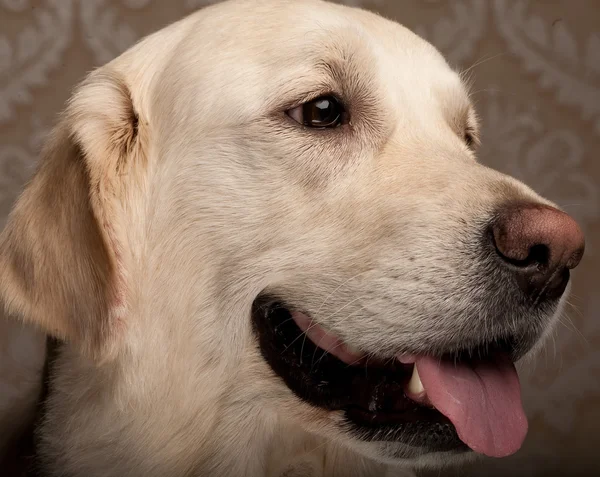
(536, 65)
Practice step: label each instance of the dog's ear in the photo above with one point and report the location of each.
(64, 255)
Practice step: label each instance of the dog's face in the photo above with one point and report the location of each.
(306, 208)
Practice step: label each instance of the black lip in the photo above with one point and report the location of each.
(371, 398)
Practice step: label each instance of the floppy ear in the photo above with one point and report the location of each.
(64, 254)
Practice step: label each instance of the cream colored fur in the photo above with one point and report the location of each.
(174, 190)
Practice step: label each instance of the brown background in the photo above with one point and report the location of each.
(537, 70)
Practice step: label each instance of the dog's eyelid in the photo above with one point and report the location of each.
(315, 94)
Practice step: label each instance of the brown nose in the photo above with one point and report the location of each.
(540, 244)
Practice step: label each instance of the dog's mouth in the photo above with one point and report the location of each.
(447, 403)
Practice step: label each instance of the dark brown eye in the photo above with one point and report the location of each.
(323, 112)
(470, 136)
(469, 139)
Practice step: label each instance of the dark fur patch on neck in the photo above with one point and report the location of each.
(21, 460)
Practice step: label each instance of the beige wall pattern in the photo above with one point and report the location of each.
(536, 65)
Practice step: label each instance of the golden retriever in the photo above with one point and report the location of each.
(266, 246)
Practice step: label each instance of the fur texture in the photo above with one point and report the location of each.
(175, 190)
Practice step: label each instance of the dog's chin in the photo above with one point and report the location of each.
(398, 454)
(374, 401)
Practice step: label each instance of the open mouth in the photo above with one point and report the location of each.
(457, 402)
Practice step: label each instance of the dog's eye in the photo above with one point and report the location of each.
(323, 112)
(470, 137)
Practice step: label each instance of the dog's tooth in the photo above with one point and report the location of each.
(415, 386)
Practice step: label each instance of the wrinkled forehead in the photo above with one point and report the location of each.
(269, 50)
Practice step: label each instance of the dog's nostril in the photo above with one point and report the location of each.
(538, 256)
(540, 244)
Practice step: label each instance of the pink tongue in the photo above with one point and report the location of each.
(483, 401)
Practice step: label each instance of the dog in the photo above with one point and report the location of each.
(264, 243)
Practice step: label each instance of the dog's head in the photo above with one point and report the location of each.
(287, 192)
